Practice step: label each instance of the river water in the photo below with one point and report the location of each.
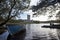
(36, 32)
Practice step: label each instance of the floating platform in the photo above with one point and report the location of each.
(51, 26)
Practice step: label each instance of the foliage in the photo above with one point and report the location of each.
(12, 8)
(47, 7)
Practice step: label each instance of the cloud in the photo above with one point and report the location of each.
(34, 2)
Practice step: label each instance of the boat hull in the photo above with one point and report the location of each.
(13, 29)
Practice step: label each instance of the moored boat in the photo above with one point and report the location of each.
(13, 29)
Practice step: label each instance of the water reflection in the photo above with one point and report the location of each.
(36, 32)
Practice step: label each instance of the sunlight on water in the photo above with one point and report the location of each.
(35, 31)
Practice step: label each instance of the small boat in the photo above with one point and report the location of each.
(52, 26)
(13, 29)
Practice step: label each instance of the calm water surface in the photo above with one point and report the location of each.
(36, 32)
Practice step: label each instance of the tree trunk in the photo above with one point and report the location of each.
(1, 24)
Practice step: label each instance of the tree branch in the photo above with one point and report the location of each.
(1, 24)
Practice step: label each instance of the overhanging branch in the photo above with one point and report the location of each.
(8, 15)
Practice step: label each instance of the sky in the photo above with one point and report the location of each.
(34, 2)
(24, 16)
(29, 12)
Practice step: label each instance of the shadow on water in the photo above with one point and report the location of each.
(17, 36)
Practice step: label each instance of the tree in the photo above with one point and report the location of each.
(47, 6)
(12, 8)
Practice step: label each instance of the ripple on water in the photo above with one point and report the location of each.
(39, 33)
